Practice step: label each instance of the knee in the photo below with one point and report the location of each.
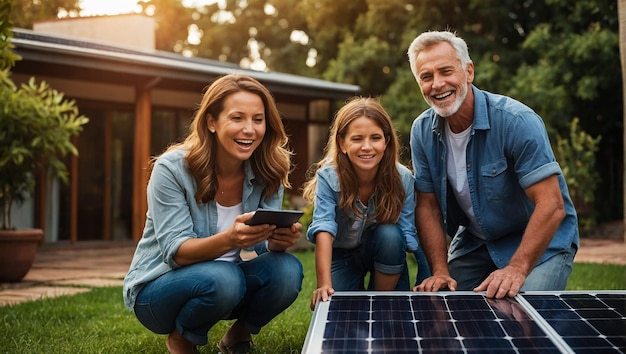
(289, 267)
(389, 235)
(224, 281)
(287, 271)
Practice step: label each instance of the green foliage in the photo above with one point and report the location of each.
(307, 217)
(25, 12)
(7, 57)
(559, 57)
(576, 154)
(172, 24)
(98, 322)
(36, 127)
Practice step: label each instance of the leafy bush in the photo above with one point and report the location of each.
(577, 157)
(36, 128)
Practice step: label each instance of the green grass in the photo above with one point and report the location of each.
(98, 322)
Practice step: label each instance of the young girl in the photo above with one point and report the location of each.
(363, 218)
(187, 274)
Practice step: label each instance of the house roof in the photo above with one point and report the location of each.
(72, 58)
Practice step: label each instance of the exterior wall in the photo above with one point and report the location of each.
(133, 30)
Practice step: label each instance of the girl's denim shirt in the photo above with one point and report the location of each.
(328, 216)
(174, 216)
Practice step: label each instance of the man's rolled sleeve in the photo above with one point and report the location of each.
(540, 174)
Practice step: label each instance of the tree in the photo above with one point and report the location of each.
(26, 12)
(570, 70)
(172, 23)
(557, 56)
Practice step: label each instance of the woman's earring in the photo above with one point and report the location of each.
(212, 131)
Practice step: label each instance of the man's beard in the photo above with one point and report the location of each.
(450, 109)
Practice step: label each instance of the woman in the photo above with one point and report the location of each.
(363, 220)
(187, 273)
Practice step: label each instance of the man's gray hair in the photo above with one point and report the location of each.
(430, 38)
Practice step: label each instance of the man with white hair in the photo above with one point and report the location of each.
(486, 176)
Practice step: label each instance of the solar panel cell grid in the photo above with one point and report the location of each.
(465, 322)
(588, 323)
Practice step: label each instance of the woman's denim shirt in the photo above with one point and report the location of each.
(328, 216)
(508, 151)
(174, 216)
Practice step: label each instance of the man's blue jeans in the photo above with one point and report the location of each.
(383, 248)
(471, 269)
(194, 298)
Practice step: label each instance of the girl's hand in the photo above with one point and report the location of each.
(322, 293)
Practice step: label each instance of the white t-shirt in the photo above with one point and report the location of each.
(457, 173)
(225, 218)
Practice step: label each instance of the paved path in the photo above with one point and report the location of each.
(59, 272)
(69, 271)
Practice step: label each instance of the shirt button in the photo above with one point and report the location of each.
(493, 171)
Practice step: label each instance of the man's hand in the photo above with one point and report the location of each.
(503, 282)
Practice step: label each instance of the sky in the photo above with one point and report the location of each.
(112, 7)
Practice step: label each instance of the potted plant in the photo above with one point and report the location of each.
(36, 127)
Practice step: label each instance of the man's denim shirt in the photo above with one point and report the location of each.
(328, 216)
(507, 152)
(174, 216)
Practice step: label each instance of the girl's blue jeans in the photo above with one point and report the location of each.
(192, 299)
(383, 248)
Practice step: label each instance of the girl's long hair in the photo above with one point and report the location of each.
(271, 161)
(389, 192)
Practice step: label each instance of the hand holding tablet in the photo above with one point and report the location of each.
(280, 218)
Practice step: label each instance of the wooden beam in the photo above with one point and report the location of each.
(74, 195)
(143, 114)
(106, 195)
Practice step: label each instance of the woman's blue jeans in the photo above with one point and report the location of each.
(383, 248)
(194, 298)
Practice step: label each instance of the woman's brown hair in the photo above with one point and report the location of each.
(389, 192)
(271, 161)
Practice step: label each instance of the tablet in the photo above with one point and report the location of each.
(280, 218)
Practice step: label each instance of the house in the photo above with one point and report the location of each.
(140, 100)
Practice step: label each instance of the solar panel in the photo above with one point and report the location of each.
(588, 323)
(468, 322)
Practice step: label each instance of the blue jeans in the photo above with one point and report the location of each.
(471, 269)
(423, 269)
(194, 298)
(382, 248)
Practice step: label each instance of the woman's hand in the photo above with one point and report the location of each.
(283, 238)
(241, 235)
(238, 235)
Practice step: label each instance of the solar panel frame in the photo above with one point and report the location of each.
(469, 323)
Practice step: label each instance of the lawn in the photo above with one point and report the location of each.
(98, 322)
